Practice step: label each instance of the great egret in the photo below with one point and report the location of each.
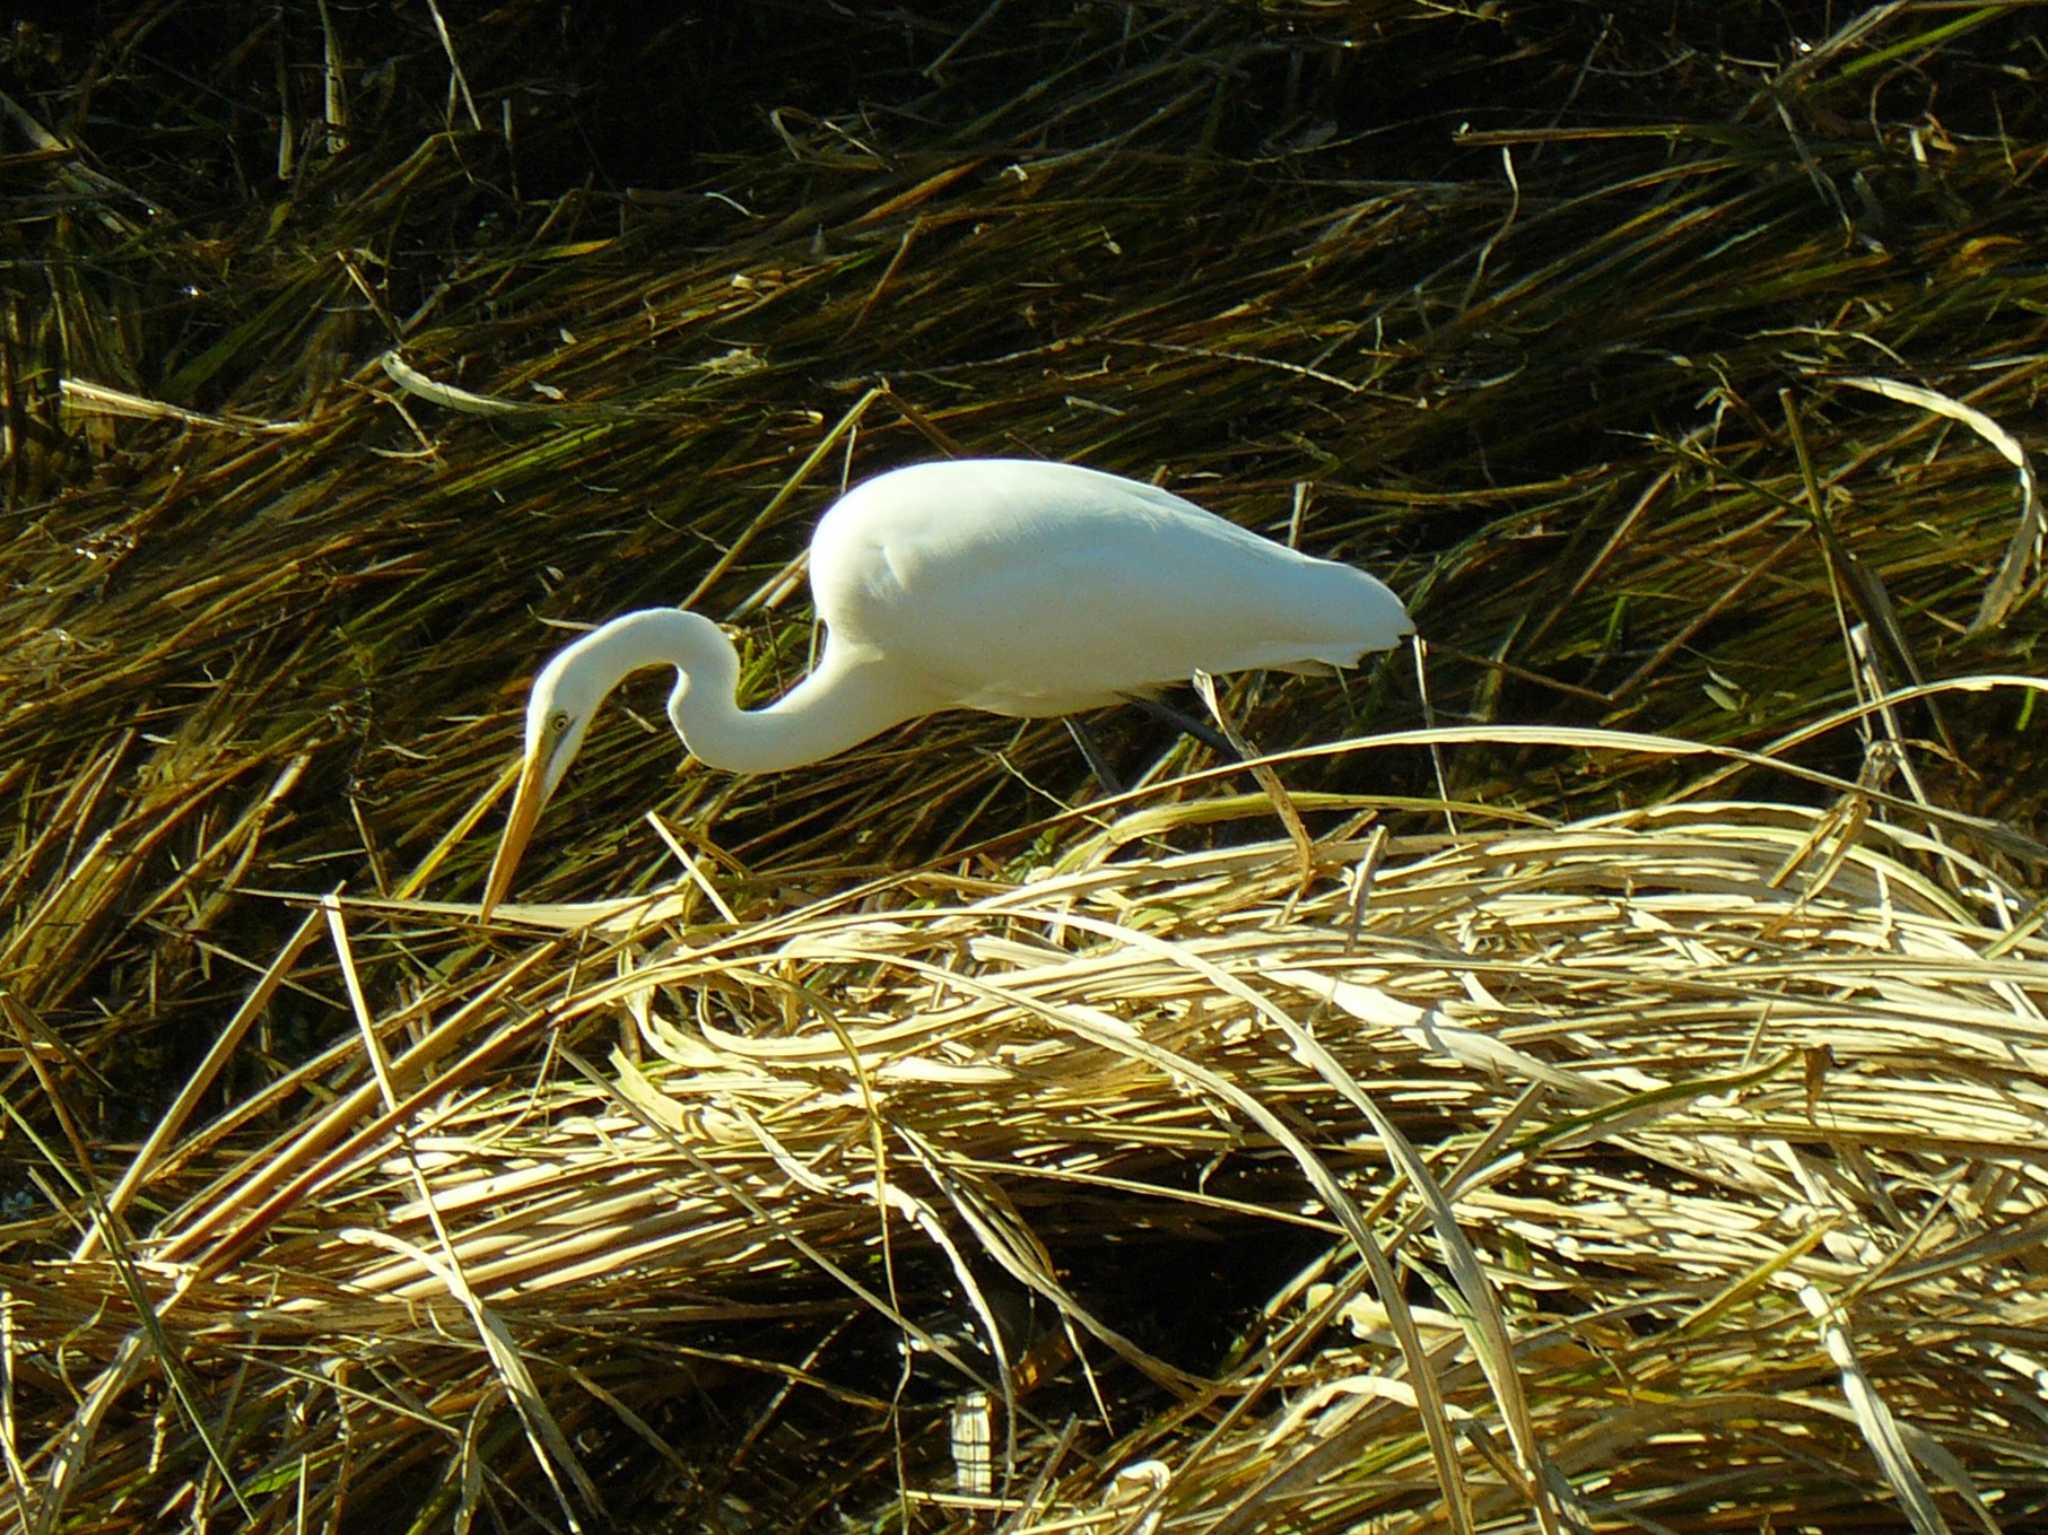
(1022, 588)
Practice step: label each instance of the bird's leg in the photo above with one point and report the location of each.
(1304, 849)
(1098, 764)
(1188, 725)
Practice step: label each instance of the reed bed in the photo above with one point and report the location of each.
(1672, 1164)
(1629, 1117)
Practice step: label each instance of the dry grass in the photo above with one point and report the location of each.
(1635, 1123)
(1676, 1077)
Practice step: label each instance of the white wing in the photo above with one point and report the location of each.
(1033, 588)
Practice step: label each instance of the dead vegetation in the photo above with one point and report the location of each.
(1637, 1121)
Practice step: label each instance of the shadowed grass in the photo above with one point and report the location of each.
(325, 400)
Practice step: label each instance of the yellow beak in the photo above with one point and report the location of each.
(527, 800)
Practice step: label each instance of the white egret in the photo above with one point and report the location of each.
(1022, 588)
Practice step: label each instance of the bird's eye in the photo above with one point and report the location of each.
(558, 722)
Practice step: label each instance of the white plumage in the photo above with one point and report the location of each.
(1008, 585)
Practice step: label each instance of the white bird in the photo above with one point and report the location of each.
(1021, 588)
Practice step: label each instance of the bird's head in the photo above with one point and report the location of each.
(558, 713)
(565, 696)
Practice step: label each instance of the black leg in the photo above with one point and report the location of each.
(1097, 763)
(1187, 724)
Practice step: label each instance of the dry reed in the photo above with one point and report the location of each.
(1636, 1122)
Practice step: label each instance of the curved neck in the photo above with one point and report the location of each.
(852, 695)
